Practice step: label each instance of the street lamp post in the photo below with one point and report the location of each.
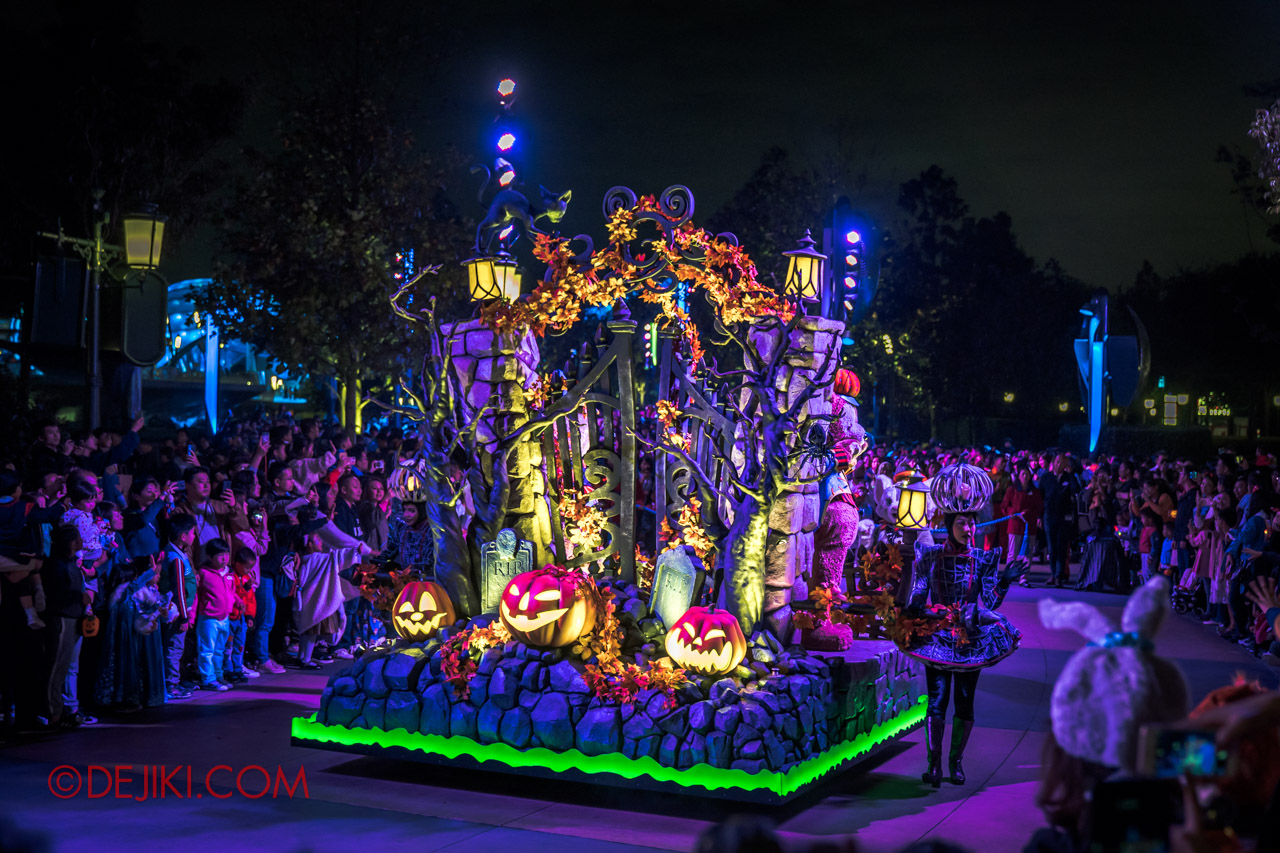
(144, 235)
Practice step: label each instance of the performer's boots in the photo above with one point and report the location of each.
(934, 727)
(960, 730)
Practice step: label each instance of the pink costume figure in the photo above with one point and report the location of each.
(838, 529)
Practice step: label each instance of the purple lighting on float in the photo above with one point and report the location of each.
(506, 87)
(852, 237)
(505, 141)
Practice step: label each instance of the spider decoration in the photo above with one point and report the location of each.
(816, 451)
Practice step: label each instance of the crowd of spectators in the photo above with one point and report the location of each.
(135, 570)
(1205, 524)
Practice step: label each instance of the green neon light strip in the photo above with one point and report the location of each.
(711, 778)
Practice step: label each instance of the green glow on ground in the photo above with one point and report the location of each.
(712, 778)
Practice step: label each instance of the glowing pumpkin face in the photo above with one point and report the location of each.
(421, 609)
(547, 608)
(707, 641)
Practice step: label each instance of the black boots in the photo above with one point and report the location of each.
(960, 730)
(933, 741)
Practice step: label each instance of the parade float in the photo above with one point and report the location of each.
(721, 658)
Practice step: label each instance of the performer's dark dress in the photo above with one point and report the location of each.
(969, 578)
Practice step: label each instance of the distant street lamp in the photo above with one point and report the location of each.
(804, 269)
(144, 234)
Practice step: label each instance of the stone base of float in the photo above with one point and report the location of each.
(768, 733)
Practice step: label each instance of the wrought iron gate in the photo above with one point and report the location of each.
(592, 449)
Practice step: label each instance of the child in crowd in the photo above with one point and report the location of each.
(1148, 545)
(131, 670)
(320, 590)
(67, 600)
(111, 538)
(216, 593)
(1168, 551)
(178, 579)
(244, 564)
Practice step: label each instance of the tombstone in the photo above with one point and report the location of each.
(677, 582)
(500, 561)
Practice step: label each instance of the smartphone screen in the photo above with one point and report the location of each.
(1179, 751)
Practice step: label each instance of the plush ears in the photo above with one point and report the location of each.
(1115, 684)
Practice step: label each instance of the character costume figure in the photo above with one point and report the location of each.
(968, 581)
(838, 529)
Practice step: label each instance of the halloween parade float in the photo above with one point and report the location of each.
(743, 634)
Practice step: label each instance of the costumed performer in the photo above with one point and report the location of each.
(966, 580)
(839, 513)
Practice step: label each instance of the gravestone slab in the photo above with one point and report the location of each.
(677, 581)
(500, 561)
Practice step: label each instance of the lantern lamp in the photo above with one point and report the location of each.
(143, 237)
(804, 269)
(913, 511)
(493, 278)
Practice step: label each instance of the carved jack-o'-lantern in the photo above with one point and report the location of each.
(548, 607)
(421, 609)
(707, 641)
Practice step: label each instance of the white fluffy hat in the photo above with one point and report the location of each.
(1116, 683)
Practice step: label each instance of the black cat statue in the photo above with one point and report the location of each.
(510, 206)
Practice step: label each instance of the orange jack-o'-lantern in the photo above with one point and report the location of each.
(548, 607)
(421, 609)
(707, 641)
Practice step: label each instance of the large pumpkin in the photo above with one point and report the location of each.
(421, 609)
(707, 641)
(548, 607)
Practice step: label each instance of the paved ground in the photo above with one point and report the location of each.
(366, 803)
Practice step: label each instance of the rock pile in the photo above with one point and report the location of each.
(780, 707)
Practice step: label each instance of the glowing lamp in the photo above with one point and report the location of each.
(1008, 396)
(493, 278)
(804, 269)
(1114, 411)
(506, 87)
(505, 141)
(505, 179)
(913, 505)
(1062, 407)
(143, 237)
(852, 238)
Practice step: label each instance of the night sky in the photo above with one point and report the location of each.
(1094, 126)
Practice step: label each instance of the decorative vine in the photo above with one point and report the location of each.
(704, 262)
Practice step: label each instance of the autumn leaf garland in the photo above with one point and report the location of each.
(721, 270)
